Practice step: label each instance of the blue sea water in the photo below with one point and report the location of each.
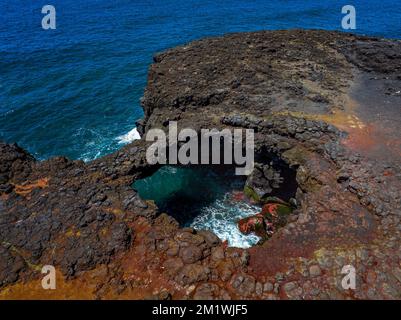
(75, 90)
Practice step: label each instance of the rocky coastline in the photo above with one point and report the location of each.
(324, 104)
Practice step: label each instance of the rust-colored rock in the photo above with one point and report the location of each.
(315, 100)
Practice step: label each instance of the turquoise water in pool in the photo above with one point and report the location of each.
(202, 198)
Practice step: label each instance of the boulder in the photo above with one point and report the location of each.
(190, 254)
(263, 224)
(276, 214)
(211, 239)
(254, 224)
(244, 285)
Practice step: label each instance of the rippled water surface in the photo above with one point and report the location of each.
(75, 90)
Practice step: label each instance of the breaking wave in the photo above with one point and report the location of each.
(222, 216)
(129, 137)
(201, 198)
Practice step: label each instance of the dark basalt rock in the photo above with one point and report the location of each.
(11, 264)
(63, 212)
(262, 181)
(15, 164)
(296, 89)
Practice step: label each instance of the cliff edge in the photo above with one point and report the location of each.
(326, 104)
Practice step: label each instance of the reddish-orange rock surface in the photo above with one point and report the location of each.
(326, 104)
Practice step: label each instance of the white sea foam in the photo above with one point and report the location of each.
(129, 137)
(94, 146)
(222, 216)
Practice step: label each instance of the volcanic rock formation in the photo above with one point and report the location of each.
(325, 104)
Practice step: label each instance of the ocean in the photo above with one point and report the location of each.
(75, 91)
